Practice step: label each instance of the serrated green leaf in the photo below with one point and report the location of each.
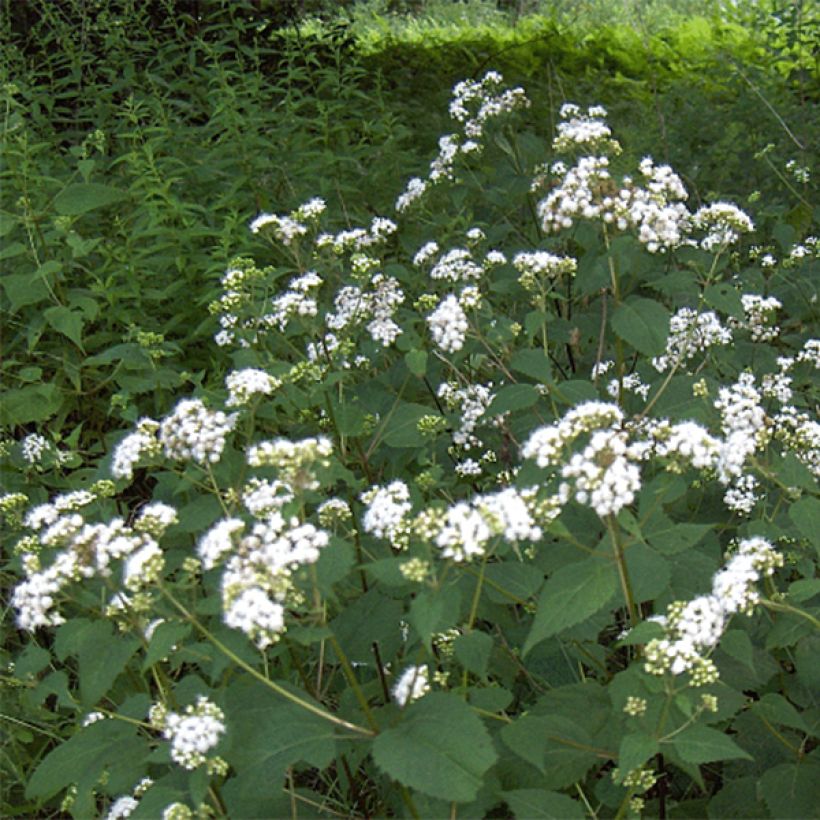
(416, 361)
(532, 363)
(805, 514)
(792, 790)
(434, 611)
(636, 748)
(68, 322)
(538, 803)
(644, 324)
(725, 298)
(472, 651)
(570, 596)
(440, 748)
(163, 640)
(700, 744)
(402, 426)
(774, 708)
(90, 750)
(82, 197)
(511, 398)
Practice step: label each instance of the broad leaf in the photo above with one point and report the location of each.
(644, 324)
(539, 803)
(440, 748)
(700, 744)
(86, 196)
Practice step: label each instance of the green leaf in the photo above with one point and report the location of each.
(163, 641)
(571, 595)
(792, 790)
(725, 298)
(560, 749)
(644, 324)
(737, 644)
(402, 426)
(670, 537)
(24, 289)
(434, 611)
(636, 748)
(774, 708)
(473, 651)
(805, 514)
(537, 803)
(416, 361)
(68, 322)
(512, 397)
(700, 744)
(86, 196)
(89, 751)
(513, 577)
(440, 748)
(34, 402)
(268, 734)
(574, 391)
(102, 654)
(532, 363)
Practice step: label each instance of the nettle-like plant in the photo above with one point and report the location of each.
(508, 507)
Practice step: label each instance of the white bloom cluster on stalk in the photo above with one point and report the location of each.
(288, 229)
(448, 324)
(358, 239)
(295, 460)
(139, 444)
(694, 628)
(691, 333)
(193, 432)
(192, 734)
(376, 301)
(587, 131)
(387, 509)
(470, 402)
(412, 684)
(723, 223)
(456, 265)
(34, 447)
(474, 104)
(297, 301)
(244, 384)
(83, 550)
(539, 265)
(759, 318)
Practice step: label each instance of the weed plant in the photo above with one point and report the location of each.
(488, 494)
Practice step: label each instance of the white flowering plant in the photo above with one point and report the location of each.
(508, 506)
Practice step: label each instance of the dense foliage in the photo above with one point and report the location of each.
(340, 481)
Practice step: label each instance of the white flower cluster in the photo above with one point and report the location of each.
(295, 460)
(192, 432)
(631, 383)
(412, 684)
(470, 402)
(585, 130)
(244, 384)
(287, 229)
(358, 239)
(691, 333)
(378, 302)
(759, 317)
(474, 104)
(125, 806)
(448, 324)
(192, 734)
(457, 265)
(298, 300)
(84, 550)
(464, 529)
(387, 509)
(262, 497)
(34, 447)
(723, 223)
(142, 442)
(539, 265)
(693, 629)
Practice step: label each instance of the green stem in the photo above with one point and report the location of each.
(779, 607)
(623, 573)
(304, 704)
(354, 684)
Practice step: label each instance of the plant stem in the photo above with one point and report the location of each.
(280, 690)
(623, 572)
